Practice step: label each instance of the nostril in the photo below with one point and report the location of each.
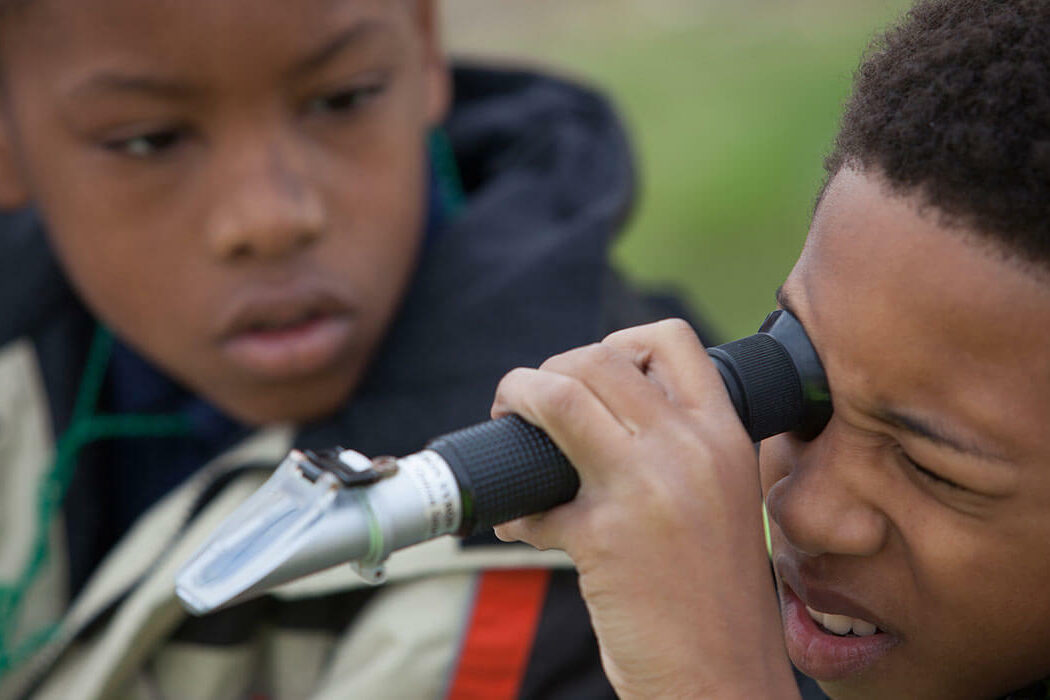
(307, 238)
(239, 251)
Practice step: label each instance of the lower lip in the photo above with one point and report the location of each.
(823, 656)
(300, 350)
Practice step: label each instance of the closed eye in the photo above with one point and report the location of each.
(929, 475)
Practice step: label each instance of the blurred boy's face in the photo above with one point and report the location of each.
(235, 186)
(923, 509)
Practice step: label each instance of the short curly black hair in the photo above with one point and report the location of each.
(953, 104)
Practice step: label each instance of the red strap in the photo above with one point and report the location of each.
(497, 645)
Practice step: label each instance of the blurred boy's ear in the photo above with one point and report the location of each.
(13, 191)
(438, 77)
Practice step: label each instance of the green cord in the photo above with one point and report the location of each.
(450, 183)
(85, 427)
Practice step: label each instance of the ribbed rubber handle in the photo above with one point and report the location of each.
(506, 468)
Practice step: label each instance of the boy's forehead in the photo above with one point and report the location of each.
(860, 220)
(158, 23)
(216, 47)
(904, 308)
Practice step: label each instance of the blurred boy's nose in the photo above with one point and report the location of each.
(265, 207)
(826, 501)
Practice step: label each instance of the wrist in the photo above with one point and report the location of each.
(773, 688)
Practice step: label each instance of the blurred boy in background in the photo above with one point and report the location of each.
(234, 228)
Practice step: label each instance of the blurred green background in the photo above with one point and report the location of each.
(731, 106)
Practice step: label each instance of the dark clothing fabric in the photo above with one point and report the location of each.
(808, 688)
(142, 469)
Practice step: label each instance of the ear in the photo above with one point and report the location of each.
(437, 73)
(13, 190)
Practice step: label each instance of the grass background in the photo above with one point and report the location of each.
(731, 105)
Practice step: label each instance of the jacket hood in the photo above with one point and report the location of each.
(32, 286)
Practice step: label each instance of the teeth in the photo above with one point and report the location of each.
(842, 624)
(863, 629)
(839, 624)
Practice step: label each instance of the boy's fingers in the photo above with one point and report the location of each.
(672, 356)
(566, 409)
(565, 527)
(535, 530)
(616, 380)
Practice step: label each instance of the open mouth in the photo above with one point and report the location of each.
(842, 625)
(269, 326)
(831, 646)
(295, 344)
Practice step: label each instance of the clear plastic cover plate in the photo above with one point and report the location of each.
(255, 539)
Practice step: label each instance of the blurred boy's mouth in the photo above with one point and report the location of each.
(288, 334)
(828, 635)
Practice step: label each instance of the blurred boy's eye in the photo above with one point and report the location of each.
(146, 145)
(345, 100)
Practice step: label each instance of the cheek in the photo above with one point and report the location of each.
(130, 285)
(375, 242)
(774, 459)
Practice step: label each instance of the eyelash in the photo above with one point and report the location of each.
(345, 100)
(156, 142)
(928, 475)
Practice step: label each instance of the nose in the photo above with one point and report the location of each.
(265, 208)
(825, 496)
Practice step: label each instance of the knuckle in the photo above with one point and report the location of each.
(509, 385)
(601, 354)
(626, 337)
(676, 328)
(562, 395)
(652, 334)
(569, 362)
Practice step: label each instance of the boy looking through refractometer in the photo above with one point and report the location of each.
(910, 538)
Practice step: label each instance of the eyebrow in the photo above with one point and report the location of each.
(355, 34)
(173, 89)
(938, 435)
(127, 82)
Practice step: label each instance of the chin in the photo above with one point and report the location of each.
(874, 690)
(300, 404)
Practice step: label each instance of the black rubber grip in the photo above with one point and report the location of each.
(506, 468)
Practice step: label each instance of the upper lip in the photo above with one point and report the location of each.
(824, 597)
(275, 305)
